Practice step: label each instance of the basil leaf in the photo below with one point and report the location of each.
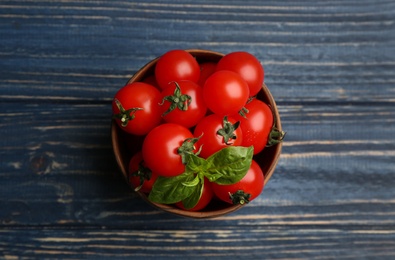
(172, 190)
(192, 183)
(194, 198)
(229, 165)
(195, 164)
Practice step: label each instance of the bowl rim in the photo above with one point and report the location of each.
(171, 208)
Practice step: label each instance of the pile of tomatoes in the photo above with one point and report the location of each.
(201, 124)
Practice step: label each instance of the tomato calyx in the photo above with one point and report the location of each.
(187, 148)
(228, 130)
(143, 173)
(239, 197)
(177, 100)
(275, 137)
(243, 112)
(125, 115)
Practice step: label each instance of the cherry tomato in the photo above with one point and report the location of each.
(152, 81)
(140, 176)
(216, 132)
(247, 66)
(136, 108)
(182, 103)
(176, 65)
(160, 149)
(244, 191)
(225, 92)
(256, 125)
(206, 69)
(204, 200)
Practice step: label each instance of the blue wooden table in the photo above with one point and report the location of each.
(330, 65)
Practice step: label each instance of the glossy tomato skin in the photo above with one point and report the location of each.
(160, 149)
(144, 97)
(135, 181)
(225, 93)
(204, 200)
(247, 66)
(176, 65)
(196, 109)
(256, 125)
(210, 141)
(206, 70)
(252, 183)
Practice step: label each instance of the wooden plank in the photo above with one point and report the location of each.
(261, 242)
(329, 65)
(310, 52)
(57, 167)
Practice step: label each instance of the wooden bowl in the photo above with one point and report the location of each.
(124, 146)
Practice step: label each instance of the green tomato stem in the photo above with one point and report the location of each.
(228, 130)
(125, 115)
(276, 136)
(177, 100)
(239, 197)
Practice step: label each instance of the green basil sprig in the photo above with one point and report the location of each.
(227, 166)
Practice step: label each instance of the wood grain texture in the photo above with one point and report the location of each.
(329, 65)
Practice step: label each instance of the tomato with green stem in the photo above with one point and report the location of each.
(243, 191)
(164, 147)
(256, 124)
(141, 178)
(182, 103)
(225, 93)
(136, 108)
(176, 65)
(247, 66)
(216, 132)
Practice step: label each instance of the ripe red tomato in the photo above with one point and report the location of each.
(140, 176)
(213, 137)
(136, 108)
(152, 81)
(176, 65)
(206, 69)
(225, 92)
(247, 66)
(160, 149)
(182, 103)
(204, 200)
(252, 184)
(256, 125)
